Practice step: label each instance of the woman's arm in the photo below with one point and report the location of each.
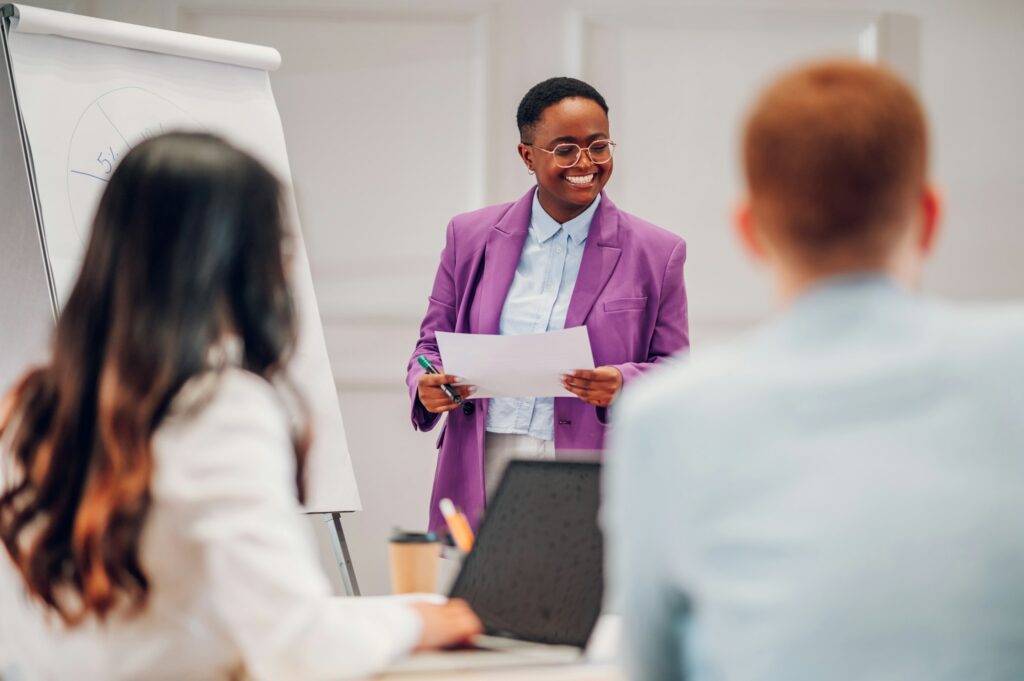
(671, 329)
(229, 478)
(601, 386)
(440, 316)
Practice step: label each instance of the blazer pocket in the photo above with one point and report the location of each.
(625, 304)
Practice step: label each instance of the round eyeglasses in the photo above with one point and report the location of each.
(567, 155)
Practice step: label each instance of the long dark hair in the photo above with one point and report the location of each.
(185, 248)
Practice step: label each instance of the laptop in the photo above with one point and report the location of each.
(535, 576)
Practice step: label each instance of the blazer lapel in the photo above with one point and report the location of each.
(502, 252)
(600, 255)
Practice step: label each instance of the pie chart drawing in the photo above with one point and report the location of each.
(109, 127)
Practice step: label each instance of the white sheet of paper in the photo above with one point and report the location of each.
(516, 366)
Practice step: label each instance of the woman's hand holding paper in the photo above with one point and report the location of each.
(598, 387)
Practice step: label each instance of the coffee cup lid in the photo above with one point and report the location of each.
(400, 536)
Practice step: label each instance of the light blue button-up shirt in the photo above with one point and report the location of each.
(836, 496)
(538, 301)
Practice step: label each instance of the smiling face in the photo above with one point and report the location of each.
(566, 192)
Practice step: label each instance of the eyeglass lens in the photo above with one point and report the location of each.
(567, 155)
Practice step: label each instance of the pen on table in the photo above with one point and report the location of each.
(446, 387)
(458, 525)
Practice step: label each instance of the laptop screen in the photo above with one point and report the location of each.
(536, 569)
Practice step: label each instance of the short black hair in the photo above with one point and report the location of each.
(548, 92)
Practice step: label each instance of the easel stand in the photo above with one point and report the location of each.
(27, 305)
(29, 302)
(341, 554)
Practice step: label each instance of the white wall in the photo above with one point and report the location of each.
(400, 113)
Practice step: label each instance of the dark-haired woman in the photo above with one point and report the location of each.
(561, 256)
(148, 471)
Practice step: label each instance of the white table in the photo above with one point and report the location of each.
(570, 672)
(599, 664)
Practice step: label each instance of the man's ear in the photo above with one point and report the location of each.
(526, 153)
(743, 221)
(931, 215)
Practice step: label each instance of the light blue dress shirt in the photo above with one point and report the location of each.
(538, 301)
(837, 496)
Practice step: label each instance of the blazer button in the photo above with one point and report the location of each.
(468, 408)
(564, 422)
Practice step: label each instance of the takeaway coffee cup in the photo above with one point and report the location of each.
(414, 558)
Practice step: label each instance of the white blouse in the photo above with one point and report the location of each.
(235, 587)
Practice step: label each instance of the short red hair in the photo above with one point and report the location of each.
(835, 155)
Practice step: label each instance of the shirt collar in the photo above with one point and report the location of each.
(842, 301)
(837, 289)
(544, 226)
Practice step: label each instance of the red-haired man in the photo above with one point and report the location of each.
(836, 495)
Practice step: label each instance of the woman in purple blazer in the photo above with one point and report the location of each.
(561, 256)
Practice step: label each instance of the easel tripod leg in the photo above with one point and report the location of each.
(344, 558)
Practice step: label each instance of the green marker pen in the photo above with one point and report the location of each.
(447, 388)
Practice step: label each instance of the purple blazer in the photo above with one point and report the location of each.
(629, 294)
